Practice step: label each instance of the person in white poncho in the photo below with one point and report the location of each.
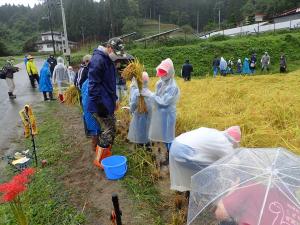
(60, 77)
(194, 150)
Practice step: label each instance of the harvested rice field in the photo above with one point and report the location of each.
(267, 107)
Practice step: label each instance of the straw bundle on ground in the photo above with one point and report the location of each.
(135, 70)
(72, 96)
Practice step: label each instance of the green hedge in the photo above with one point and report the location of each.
(202, 53)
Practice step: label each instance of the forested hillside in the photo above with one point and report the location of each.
(87, 19)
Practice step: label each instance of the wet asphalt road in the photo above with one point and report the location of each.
(10, 122)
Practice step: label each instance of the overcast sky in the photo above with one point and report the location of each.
(24, 2)
(20, 2)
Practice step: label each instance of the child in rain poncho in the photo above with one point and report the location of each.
(71, 74)
(60, 76)
(246, 67)
(45, 82)
(162, 127)
(140, 122)
(193, 151)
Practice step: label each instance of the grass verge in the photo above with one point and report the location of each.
(46, 201)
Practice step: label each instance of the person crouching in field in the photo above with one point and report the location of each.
(60, 76)
(9, 70)
(140, 122)
(194, 150)
(32, 71)
(45, 82)
(163, 121)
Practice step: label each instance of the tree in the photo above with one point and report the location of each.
(3, 49)
(30, 45)
(187, 29)
(129, 25)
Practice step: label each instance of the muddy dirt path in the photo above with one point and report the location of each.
(90, 191)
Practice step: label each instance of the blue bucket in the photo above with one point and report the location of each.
(115, 167)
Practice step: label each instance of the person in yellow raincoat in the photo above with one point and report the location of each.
(32, 71)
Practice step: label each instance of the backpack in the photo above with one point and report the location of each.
(3, 73)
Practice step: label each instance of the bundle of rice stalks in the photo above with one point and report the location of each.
(179, 218)
(135, 70)
(72, 96)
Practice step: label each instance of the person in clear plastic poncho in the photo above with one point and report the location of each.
(140, 122)
(194, 150)
(60, 77)
(162, 127)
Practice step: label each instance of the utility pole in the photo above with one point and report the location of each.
(159, 23)
(82, 34)
(219, 17)
(198, 22)
(51, 27)
(111, 19)
(67, 51)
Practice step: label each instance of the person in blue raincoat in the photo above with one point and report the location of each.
(140, 122)
(246, 67)
(91, 126)
(163, 121)
(45, 84)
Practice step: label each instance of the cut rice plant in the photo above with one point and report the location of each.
(179, 218)
(135, 70)
(72, 96)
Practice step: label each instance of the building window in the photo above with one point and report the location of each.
(46, 38)
(49, 46)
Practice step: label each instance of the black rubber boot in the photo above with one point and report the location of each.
(51, 96)
(45, 96)
(11, 95)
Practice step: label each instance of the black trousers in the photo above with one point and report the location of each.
(32, 78)
(282, 69)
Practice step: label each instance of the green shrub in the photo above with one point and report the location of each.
(201, 52)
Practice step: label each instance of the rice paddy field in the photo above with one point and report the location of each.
(266, 107)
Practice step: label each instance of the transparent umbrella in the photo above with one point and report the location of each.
(249, 187)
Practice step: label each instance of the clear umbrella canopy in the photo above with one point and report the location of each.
(249, 187)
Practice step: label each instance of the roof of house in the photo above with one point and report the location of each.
(288, 13)
(50, 42)
(49, 33)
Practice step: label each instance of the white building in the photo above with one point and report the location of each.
(46, 45)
